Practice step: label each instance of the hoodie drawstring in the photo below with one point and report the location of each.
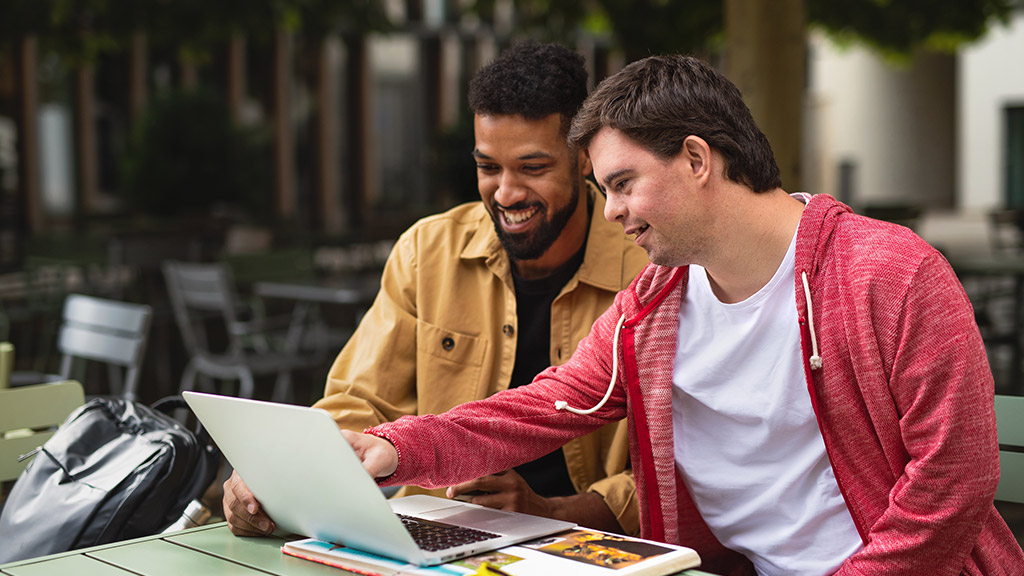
(815, 360)
(563, 405)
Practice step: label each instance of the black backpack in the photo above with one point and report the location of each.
(114, 470)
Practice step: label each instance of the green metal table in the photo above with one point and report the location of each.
(208, 549)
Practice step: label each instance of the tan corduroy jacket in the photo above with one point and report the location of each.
(442, 332)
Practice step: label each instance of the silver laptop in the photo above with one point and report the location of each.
(306, 476)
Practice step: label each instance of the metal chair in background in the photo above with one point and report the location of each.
(1006, 230)
(996, 298)
(6, 364)
(1010, 422)
(136, 260)
(204, 299)
(99, 330)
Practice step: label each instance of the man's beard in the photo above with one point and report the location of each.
(533, 245)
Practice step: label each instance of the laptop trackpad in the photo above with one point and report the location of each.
(481, 518)
(470, 515)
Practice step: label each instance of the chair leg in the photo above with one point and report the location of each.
(283, 386)
(207, 383)
(116, 382)
(131, 382)
(246, 384)
(188, 377)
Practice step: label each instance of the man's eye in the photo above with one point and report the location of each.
(486, 167)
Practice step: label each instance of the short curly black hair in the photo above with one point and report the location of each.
(532, 80)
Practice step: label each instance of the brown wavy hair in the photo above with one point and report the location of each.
(660, 100)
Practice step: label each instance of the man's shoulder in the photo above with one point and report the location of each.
(462, 233)
(865, 257)
(831, 232)
(880, 240)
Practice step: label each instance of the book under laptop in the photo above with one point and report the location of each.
(310, 481)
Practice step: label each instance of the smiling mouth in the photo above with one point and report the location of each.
(519, 216)
(636, 233)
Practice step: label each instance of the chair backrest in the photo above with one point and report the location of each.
(104, 331)
(6, 363)
(1010, 421)
(138, 258)
(29, 415)
(198, 291)
(1005, 232)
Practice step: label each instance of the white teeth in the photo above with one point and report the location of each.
(519, 215)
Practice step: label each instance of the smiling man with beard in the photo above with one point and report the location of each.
(483, 297)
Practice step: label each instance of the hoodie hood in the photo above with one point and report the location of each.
(819, 222)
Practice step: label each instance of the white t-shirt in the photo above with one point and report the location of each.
(746, 440)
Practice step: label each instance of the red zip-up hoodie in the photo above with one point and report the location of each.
(895, 369)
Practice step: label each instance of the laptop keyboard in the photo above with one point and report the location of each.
(434, 536)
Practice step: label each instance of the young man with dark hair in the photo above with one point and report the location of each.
(486, 295)
(806, 389)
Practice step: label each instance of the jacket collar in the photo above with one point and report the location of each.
(820, 217)
(602, 262)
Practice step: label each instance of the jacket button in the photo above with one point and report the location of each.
(507, 330)
(447, 343)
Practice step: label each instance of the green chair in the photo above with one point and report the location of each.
(29, 415)
(1010, 421)
(6, 364)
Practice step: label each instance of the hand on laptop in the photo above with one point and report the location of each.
(244, 515)
(379, 456)
(509, 491)
(505, 491)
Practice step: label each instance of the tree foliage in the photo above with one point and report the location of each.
(644, 27)
(84, 29)
(639, 27)
(186, 157)
(898, 27)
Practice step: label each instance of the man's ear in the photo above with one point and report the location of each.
(697, 155)
(586, 167)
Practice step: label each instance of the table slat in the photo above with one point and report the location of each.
(79, 565)
(259, 553)
(162, 558)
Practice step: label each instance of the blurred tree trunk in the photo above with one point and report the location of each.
(328, 122)
(357, 80)
(284, 162)
(28, 134)
(138, 61)
(766, 59)
(236, 74)
(86, 153)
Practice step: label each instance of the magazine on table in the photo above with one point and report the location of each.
(581, 551)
